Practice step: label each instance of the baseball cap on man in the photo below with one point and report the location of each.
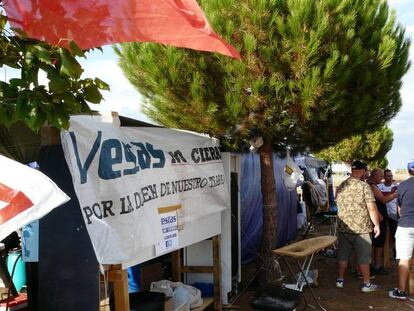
(359, 165)
(410, 166)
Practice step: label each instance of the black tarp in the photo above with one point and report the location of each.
(68, 272)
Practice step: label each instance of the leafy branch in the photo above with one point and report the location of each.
(25, 99)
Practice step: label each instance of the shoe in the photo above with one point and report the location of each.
(370, 287)
(339, 283)
(397, 294)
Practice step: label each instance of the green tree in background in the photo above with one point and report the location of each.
(25, 99)
(313, 73)
(371, 147)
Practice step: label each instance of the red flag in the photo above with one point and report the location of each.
(25, 196)
(95, 23)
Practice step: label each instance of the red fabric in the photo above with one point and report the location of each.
(93, 23)
(18, 202)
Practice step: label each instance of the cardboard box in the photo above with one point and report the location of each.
(169, 306)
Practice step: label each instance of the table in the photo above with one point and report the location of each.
(305, 250)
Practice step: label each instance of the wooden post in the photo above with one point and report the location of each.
(176, 265)
(119, 278)
(178, 268)
(49, 136)
(217, 273)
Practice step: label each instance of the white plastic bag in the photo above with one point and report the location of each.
(301, 217)
(163, 286)
(293, 176)
(182, 294)
(195, 295)
(318, 193)
(182, 297)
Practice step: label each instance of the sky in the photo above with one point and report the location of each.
(402, 125)
(123, 97)
(127, 101)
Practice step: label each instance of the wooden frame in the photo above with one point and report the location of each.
(119, 278)
(179, 269)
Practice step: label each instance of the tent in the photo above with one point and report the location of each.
(251, 206)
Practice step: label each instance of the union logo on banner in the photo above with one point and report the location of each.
(14, 202)
(26, 195)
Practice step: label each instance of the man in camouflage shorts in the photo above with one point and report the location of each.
(356, 213)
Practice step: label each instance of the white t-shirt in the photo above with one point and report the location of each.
(391, 205)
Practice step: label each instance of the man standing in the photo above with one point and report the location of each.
(356, 213)
(404, 238)
(387, 187)
(377, 175)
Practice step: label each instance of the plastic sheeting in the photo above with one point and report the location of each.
(91, 24)
(251, 206)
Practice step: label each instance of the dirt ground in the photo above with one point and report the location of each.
(331, 298)
(350, 298)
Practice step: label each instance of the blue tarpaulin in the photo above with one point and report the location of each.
(251, 205)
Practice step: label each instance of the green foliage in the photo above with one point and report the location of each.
(371, 147)
(313, 72)
(25, 99)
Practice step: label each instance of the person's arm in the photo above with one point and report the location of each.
(399, 205)
(382, 198)
(374, 215)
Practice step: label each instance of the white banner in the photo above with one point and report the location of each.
(25, 196)
(123, 175)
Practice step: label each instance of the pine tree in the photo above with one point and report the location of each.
(371, 147)
(313, 73)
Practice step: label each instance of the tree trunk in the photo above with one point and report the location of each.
(266, 259)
